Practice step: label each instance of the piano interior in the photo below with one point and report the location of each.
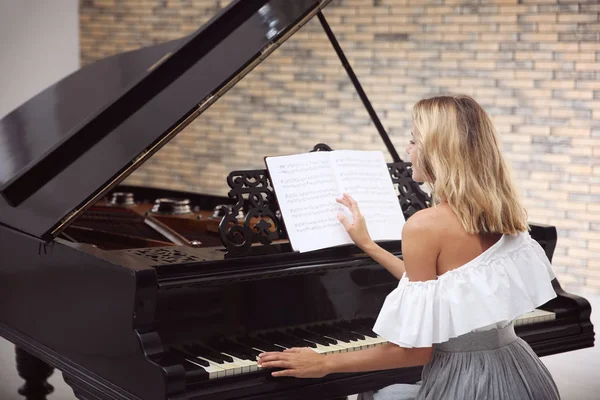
(171, 294)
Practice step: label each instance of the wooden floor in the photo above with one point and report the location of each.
(577, 373)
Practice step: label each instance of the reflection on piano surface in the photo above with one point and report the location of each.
(144, 293)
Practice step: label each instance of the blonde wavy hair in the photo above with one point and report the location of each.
(460, 156)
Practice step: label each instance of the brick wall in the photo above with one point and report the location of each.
(533, 64)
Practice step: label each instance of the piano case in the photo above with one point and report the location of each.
(144, 293)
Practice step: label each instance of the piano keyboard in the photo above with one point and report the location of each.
(534, 317)
(231, 357)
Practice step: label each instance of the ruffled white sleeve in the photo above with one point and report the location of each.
(511, 278)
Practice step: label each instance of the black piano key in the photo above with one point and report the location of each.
(364, 328)
(228, 348)
(313, 330)
(277, 339)
(354, 327)
(368, 322)
(208, 353)
(300, 341)
(319, 339)
(327, 331)
(255, 342)
(349, 331)
(353, 336)
(235, 353)
(194, 373)
(243, 352)
(250, 353)
(186, 354)
(217, 352)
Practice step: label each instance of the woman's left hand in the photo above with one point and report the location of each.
(296, 362)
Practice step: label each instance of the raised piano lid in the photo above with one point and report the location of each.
(65, 148)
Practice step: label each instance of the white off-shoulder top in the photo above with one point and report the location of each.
(509, 279)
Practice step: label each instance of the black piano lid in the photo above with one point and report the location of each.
(65, 148)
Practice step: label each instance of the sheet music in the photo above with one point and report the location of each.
(306, 189)
(364, 176)
(308, 184)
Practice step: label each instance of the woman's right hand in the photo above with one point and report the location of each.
(357, 230)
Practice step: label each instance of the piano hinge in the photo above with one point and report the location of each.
(156, 64)
(267, 50)
(206, 102)
(66, 219)
(139, 157)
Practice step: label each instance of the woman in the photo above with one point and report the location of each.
(470, 268)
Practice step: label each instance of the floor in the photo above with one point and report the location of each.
(577, 373)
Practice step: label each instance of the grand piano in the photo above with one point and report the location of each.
(145, 293)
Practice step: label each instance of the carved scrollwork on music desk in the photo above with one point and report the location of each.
(412, 198)
(262, 222)
(321, 147)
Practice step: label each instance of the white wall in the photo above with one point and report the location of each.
(39, 45)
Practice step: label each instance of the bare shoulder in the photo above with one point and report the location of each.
(429, 223)
(421, 243)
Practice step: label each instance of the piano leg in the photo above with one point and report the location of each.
(35, 372)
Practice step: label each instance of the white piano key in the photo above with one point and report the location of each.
(214, 370)
(232, 368)
(344, 347)
(247, 365)
(321, 349)
(535, 316)
(329, 349)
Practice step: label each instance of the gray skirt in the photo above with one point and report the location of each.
(489, 365)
